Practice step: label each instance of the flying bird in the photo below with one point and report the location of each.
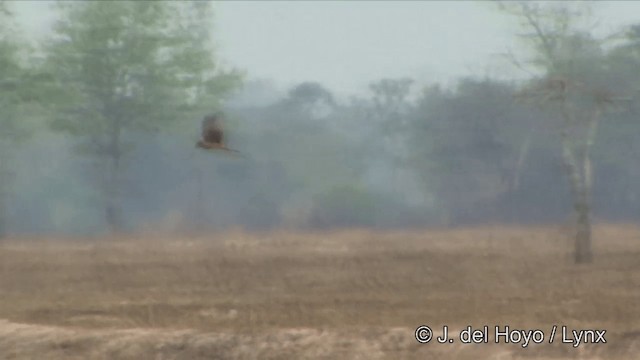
(213, 134)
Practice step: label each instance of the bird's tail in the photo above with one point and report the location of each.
(232, 150)
(235, 152)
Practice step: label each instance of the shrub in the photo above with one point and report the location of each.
(343, 206)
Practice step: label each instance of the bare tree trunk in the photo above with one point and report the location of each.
(113, 211)
(519, 166)
(3, 223)
(200, 208)
(580, 181)
(112, 205)
(581, 206)
(583, 251)
(4, 184)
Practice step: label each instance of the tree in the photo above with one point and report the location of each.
(574, 90)
(616, 194)
(311, 99)
(464, 145)
(296, 130)
(389, 112)
(343, 206)
(22, 88)
(129, 67)
(9, 65)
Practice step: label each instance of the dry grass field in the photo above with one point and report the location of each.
(343, 295)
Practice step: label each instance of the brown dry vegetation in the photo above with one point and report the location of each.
(343, 295)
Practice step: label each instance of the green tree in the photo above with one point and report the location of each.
(22, 87)
(619, 139)
(389, 112)
(311, 99)
(129, 67)
(296, 131)
(9, 65)
(464, 144)
(343, 206)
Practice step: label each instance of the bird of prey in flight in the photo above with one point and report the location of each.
(213, 134)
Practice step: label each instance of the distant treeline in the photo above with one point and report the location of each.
(94, 118)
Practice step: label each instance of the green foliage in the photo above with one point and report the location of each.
(116, 72)
(46, 178)
(260, 213)
(19, 83)
(129, 65)
(343, 206)
(305, 139)
(619, 136)
(21, 86)
(390, 98)
(389, 113)
(309, 93)
(466, 131)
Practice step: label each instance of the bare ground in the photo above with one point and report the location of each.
(344, 295)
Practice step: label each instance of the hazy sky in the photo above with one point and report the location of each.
(346, 44)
